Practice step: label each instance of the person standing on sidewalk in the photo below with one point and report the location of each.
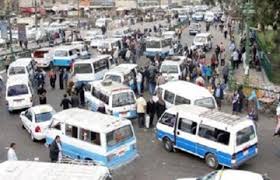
(141, 105)
(219, 95)
(11, 155)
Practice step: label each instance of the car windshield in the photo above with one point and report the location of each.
(169, 69)
(17, 70)
(17, 90)
(115, 78)
(43, 117)
(210, 176)
(153, 44)
(60, 53)
(245, 135)
(200, 39)
(82, 68)
(119, 135)
(205, 102)
(123, 99)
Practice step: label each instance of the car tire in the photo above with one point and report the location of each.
(211, 161)
(32, 137)
(168, 145)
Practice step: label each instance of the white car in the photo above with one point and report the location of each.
(36, 120)
(230, 175)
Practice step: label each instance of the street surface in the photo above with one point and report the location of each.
(154, 162)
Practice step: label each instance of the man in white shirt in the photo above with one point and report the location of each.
(11, 153)
(235, 58)
(141, 110)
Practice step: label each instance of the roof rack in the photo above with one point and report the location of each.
(68, 160)
(221, 117)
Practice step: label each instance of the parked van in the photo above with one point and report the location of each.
(64, 56)
(88, 70)
(122, 73)
(183, 92)
(34, 170)
(81, 50)
(118, 99)
(18, 93)
(158, 46)
(217, 137)
(103, 22)
(43, 57)
(23, 67)
(94, 136)
(202, 40)
(174, 67)
(109, 45)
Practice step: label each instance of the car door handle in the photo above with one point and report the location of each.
(178, 133)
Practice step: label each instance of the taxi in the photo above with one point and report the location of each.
(36, 120)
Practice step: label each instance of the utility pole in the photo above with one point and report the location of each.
(8, 16)
(36, 16)
(78, 5)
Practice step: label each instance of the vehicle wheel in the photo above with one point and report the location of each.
(32, 137)
(211, 161)
(168, 146)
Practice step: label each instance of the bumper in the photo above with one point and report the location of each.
(39, 136)
(18, 107)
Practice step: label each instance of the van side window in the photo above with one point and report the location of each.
(71, 131)
(169, 96)
(102, 97)
(168, 119)
(90, 136)
(28, 115)
(187, 126)
(100, 65)
(180, 100)
(57, 126)
(214, 134)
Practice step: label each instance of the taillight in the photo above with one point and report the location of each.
(37, 129)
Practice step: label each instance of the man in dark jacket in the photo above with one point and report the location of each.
(75, 101)
(151, 110)
(65, 103)
(219, 95)
(54, 149)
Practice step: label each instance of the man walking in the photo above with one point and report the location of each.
(151, 110)
(42, 95)
(141, 109)
(219, 95)
(52, 76)
(12, 153)
(65, 103)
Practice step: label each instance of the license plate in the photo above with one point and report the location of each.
(245, 153)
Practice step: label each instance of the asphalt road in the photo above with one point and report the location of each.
(153, 162)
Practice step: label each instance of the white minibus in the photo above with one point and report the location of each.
(88, 70)
(18, 93)
(23, 67)
(94, 136)
(64, 56)
(174, 67)
(183, 92)
(217, 137)
(118, 99)
(34, 170)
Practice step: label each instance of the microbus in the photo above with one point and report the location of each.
(23, 67)
(183, 92)
(122, 73)
(118, 99)
(88, 70)
(34, 170)
(88, 135)
(217, 137)
(18, 93)
(108, 45)
(43, 57)
(158, 46)
(64, 56)
(174, 67)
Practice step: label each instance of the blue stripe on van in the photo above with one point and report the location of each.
(62, 62)
(75, 152)
(201, 150)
